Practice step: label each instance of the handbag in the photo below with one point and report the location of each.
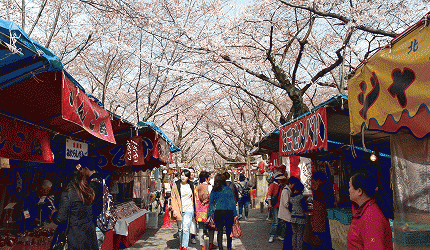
(236, 231)
(60, 239)
(210, 222)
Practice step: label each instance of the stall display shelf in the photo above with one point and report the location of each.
(40, 238)
(125, 210)
(412, 234)
(343, 215)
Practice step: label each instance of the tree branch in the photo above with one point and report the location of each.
(344, 19)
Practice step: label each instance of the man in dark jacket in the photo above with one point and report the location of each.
(231, 185)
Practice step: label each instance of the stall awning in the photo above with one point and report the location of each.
(389, 91)
(336, 126)
(21, 57)
(36, 90)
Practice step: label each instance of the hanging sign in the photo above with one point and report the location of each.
(304, 135)
(20, 141)
(78, 108)
(162, 151)
(75, 149)
(135, 151)
(138, 150)
(390, 90)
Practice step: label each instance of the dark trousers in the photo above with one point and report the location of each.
(224, 218)
(288, 242)
(325, 238)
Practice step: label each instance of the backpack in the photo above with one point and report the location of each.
(106, 220)
(244, 191)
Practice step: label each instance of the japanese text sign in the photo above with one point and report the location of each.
(135, 151)
(20, 141)
(387, 91)
(304, 135)
(78, 108)
(75, 150)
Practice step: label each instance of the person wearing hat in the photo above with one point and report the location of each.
(274, 197)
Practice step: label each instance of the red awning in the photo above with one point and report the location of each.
(38, 102)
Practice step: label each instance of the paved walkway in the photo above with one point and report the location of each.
(255, 236)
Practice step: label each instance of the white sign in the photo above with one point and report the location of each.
(75, 149)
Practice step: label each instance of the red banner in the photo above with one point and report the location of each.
(20, 141)
(79, 109)
(162, 150)
(304, 135)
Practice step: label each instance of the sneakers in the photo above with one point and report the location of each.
(193, 241)
(183, 248)
(203, 247)
(270, 239)
(280, 238)
(245, 218)
(212, 246)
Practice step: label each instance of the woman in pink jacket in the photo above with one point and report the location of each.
(369, 228)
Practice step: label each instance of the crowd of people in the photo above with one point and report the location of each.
(369, 229)
(194, 201)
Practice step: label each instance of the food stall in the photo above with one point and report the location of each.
(139, 150)
(38, 114)
(320, 141)
(389, 94)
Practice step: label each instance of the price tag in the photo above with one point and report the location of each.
(26, 214)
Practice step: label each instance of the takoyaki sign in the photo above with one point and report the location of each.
(304, 135)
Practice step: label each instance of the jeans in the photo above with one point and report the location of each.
(277, 228)
(288, 241)
(298, 230)
(243, 203)
(184, 228)
(224, 218)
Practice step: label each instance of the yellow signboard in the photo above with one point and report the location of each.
(387, 91)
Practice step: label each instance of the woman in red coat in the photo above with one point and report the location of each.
(369, 228)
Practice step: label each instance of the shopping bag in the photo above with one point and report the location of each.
(236, 232)
(210, 222)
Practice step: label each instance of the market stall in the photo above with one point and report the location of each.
(47, 122)
(38, 114)
(138, 150)
(388, 93)
(320, 141)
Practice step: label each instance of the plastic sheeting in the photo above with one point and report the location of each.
(411, 173)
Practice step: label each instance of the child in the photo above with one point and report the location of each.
(297, 207)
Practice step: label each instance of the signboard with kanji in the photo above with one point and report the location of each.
(305, 135)
(78, 108)
(391, 89)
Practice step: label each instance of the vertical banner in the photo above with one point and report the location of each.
(162, 151)
(304, 135)
(20, 141)
(77, 107)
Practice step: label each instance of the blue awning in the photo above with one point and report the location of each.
(21, 57)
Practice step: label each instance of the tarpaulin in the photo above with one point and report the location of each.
(20, 141)
(304, 135)
(389, 90)
(78, 108)
(21, 57)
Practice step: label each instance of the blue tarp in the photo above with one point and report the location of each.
(21, 57)
(154, 127)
